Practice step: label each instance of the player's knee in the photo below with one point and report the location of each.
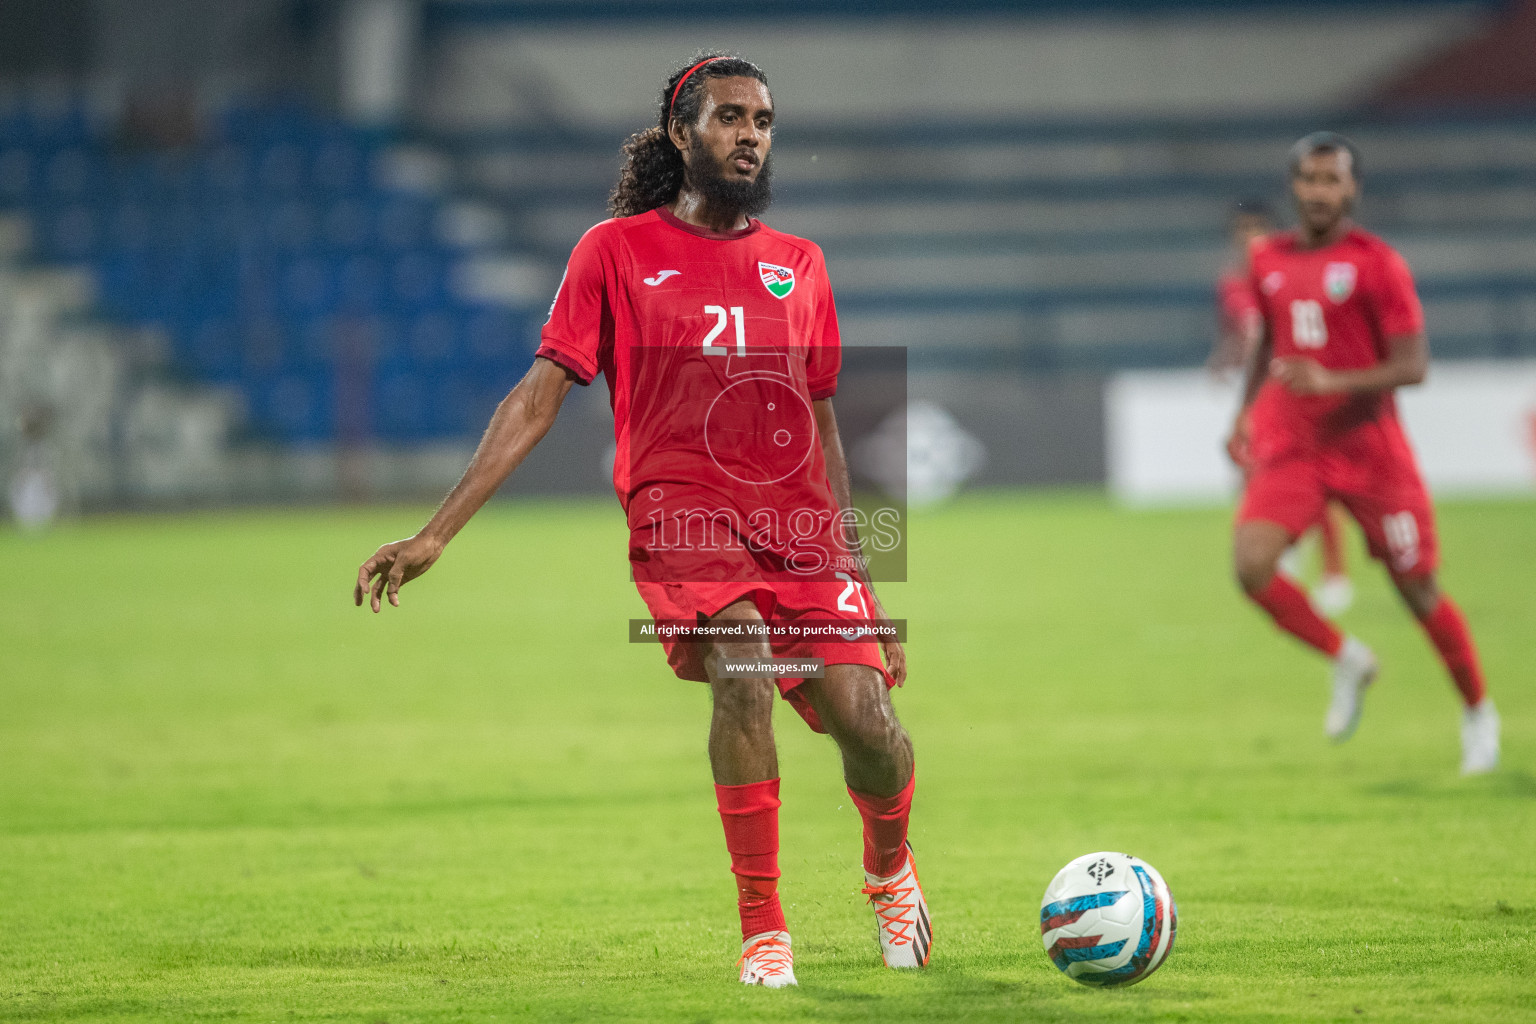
(745, 702)
(874, 735)
(867, 728)
(1253, 570)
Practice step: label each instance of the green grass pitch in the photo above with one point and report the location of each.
(226, 794)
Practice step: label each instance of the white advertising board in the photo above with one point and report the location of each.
(1473, 425)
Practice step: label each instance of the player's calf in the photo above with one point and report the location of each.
(854, 706)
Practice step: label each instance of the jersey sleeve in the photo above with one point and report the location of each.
(1398, 311)
(1258, 249)
(825, 359)
(1235, 294)
(580, 326)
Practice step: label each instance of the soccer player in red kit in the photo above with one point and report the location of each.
(718, 339)
(1343, 330)
(1239, 328)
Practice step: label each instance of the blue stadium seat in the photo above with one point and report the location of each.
(347, 225)
(17, 172)
(401, 407)
(274, 263)
(418, 280)
(432, 338)
(213, 348)
(293, 407)
(70, 234)
(361, 285)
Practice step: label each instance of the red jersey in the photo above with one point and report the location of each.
(1338, 305)
(714, 346)
(1237, 313)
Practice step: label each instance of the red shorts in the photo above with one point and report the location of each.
(776, 602)
(1384, 493)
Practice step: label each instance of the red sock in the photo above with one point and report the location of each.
(750, 815)
(885, 829)
(1333, 543)
(1448, 631)
(757, 900)
(1292, 612)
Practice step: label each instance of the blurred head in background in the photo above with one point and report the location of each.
(1325, 179)
(712, 137)
(1249, 219)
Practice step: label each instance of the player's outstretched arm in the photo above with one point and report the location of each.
(520, 422)
(1407, 363)
(842, 492)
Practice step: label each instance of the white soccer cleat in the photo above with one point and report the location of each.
(1354, 669)
(1479, 739)
(766, 960)
(1333, 595)
(906, 938)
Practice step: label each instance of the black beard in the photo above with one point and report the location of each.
(726, 194)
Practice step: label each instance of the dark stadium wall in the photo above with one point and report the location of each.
(1496, 67)
(488, 77)
(458, 13)
(254, 44)
(139, 45)
(44, 38)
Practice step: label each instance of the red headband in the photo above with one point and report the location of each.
(686, 74)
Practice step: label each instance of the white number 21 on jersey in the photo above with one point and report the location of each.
(711, 349)
(1308, 328)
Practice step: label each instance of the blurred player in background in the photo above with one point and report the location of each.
(1239, 329)
(1343, 330)
(1239, 322)
(719, 341)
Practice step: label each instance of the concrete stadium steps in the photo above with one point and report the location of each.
(1080, 244)
(1023, 266)
(553, 226)
(962, 153)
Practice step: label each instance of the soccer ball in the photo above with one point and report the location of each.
(1108, 919)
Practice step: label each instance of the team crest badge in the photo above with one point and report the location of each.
(779, 281)
(1339, 280)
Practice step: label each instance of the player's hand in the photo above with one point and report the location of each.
(895, 655)
(1304, 376)
(1237, 442)
(395, 564)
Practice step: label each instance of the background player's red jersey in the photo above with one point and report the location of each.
(1236, 307)
(1338, 305)
(714, 347)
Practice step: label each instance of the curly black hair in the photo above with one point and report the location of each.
(653, 166)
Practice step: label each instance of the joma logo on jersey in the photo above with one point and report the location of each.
(1339, 280)
(779, 281)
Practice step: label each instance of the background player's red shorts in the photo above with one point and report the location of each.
(1382, 490)
(776, 602)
